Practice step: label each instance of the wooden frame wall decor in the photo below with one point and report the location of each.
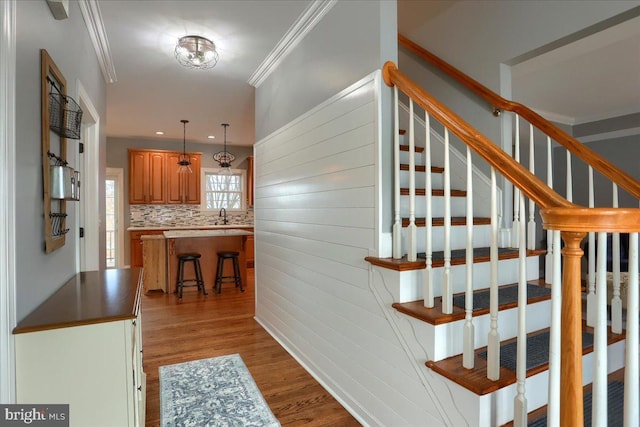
(54, 148)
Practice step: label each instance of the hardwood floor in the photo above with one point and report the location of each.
(202, 327)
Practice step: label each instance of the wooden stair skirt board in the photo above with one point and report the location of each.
(403, 265)
(476, 380)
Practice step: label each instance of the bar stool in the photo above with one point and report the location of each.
(220, 278)
(198, 281)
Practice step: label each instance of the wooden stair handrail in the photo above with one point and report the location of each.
(529, 184)
(597, 162)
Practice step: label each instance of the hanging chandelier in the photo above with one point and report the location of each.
(224, 158)
(196, 52)
(184, 164)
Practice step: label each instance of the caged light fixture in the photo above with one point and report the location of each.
(224, 158)
(196, 52)
(184, 164)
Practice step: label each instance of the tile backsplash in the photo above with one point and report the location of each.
(182, 215)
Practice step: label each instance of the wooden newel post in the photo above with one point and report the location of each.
(571, 405)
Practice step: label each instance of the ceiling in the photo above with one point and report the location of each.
(594, 77)
(153, 92)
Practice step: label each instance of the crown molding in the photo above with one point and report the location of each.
(303, 25)
(93, 20)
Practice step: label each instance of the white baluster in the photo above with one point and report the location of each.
(520, 401)
(569, 178)
(599, 394)
(531, 228)
(469, 331)
(493, 343)
(516, 192)
(591, 266)
(397, 223)
(447, 292)
(616, 302)
(631, 371)
(553, 408)
(428, 279)
(412, 230)
(548, 260)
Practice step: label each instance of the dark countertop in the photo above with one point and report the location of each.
(87, 298)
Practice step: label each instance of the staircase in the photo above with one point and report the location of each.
(447, 255)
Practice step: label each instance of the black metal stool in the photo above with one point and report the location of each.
(198, 281)
(220, 278)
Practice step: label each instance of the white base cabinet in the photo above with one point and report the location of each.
(96, 368)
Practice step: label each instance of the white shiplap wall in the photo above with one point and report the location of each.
(315, 221)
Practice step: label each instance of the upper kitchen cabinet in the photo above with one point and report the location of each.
(147, 175)
(154, 178)
(183, 188)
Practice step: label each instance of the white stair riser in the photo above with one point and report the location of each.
(481, 237)
(442, 341)
(418, 158)
(436, 180)
(410, 283)
(458, 206)
(497, 408)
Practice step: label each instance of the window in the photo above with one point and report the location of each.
(223, 191)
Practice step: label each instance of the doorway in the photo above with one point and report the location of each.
(114, 242)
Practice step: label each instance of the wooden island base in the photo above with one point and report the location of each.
(207, 244)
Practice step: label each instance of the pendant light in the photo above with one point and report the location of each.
(224, 158)
(184, 164)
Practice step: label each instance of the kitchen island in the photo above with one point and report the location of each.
(205, 242)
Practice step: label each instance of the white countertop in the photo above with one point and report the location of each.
(180, 234)
(189, 227)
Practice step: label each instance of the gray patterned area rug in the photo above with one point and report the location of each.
(212, 392)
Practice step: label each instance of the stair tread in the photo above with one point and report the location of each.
(435, 192)
(416, 149)
(476, 380)
(422, 168)
(434, 316)
(457, 258)
(439, 222)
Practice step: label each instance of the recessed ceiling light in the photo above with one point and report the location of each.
(211, 137)
(159, 132)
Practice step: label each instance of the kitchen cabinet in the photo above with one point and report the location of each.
(147, 172)
(83, 347)
(154, 178)
(154, 255)
(135, 246)
(250, 181)
(249, 251)
(183, 188)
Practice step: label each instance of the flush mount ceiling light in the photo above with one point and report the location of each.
(224, 158)
(184, 165)
(196, 52)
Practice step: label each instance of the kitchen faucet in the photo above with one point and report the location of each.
(223, 214)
